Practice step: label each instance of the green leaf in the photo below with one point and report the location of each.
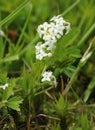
(3, 77)
(14, 103)
(61, 106)
(89, 89)
(9, 58)
(86, 125)
(56, 126)
(7, 93)
(69, 70)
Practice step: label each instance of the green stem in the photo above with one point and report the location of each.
(14, 13)
(70, 8)
(72, 80)
(25, 25)
(28, 115)
(86, 35)
(89, 89)
(43, 91)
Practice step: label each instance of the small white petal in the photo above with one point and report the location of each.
(48, 76)
(4, 86)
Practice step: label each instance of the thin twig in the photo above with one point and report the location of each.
(47, 116)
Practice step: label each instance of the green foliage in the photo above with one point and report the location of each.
(3, 78)
(63, 62)
(42, 105)
(83, 123)
(32, 79)
(14, 103)
(55, 126)
(7, 93)
(61, 106)
(89, 89)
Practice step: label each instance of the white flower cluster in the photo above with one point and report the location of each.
(48, 76)
(4, 86)
(50, 33)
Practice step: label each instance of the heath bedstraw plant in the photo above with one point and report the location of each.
(49, 34)
(37, 59)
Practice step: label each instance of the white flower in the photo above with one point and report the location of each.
(54, 29)
(67, 27)
(42, 29)
(4, 86)
(41, 51)
(48, 76)
(61, 24)
(55, 18)
(58, 20)
(49, 45)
